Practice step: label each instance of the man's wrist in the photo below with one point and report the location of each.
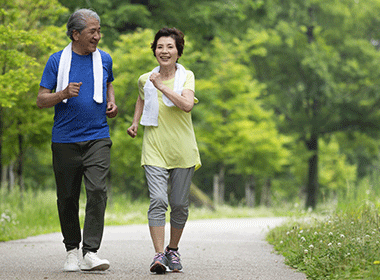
(61, 95)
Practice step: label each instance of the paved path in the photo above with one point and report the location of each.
(211, 249)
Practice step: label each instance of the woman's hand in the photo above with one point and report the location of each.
(132, 130)
(155, 78)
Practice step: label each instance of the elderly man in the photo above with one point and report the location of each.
(77, 81)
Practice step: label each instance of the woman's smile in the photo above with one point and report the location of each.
(166, 51)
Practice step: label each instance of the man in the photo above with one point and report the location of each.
(78, 82)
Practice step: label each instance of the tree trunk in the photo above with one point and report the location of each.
(199, 198)
(312, 143)
(1, 145)
(20, 163)
(4, 176)
(266, 194)
(312, 184)
(250, 192)
(219, 186)
(221, 182)
(216, 189)
(11, 176)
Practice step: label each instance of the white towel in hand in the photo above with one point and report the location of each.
(64, 70)
(150, 111)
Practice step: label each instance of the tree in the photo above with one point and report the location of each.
(117, 16)
(235, 130)
(23, 44)
(134, 57)
(321, 71)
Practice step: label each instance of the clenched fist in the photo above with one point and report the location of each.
(72, 90)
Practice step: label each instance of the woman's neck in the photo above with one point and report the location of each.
(168, 73)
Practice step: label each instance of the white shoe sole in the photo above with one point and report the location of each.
(71, 269)
(101, 267)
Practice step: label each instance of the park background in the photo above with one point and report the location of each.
(288, 118)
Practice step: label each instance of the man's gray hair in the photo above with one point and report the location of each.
(77, 21)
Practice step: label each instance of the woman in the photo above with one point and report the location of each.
(169, 152)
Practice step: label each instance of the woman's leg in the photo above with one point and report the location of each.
(157, 179)
(180, 181)
(175, 236)
(158, 238)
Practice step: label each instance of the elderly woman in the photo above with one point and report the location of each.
(169, 152)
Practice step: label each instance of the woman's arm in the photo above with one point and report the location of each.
(185, 101)
(132, 130)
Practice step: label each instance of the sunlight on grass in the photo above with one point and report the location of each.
(34, 213)
(336, 242)
(31, 213)
(344, 245)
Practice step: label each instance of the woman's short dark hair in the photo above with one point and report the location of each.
(174, 33)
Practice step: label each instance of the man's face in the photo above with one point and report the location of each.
(89, 38)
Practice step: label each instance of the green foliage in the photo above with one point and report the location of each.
(336, 173)
(26, 38)
(26, 214)
(344, 245)
(134, 57)
(269, 75)
(320, 71)
(16, 73)
(234, 128)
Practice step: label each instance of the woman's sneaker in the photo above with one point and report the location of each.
(174, 260)
(159, 263)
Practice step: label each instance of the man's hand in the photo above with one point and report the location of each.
(111, 110)
(71, 90)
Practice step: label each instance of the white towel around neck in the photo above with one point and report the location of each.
(64, 70)
(150, 111)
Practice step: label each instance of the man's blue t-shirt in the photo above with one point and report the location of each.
(81, 118)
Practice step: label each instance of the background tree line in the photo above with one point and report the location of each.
(288, 89)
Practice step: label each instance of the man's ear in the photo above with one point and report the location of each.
(76, 35)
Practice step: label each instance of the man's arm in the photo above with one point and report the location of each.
(47, 99)
(111, 104)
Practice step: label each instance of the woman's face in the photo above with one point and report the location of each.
(166, 51)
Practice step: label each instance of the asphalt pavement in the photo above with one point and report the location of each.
(211, 249)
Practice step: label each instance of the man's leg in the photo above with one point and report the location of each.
(67, 165)
(96, 158)
(96, 167)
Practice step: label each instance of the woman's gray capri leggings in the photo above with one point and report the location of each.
(179, 180)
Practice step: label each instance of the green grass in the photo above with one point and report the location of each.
(34, 213)
(344, 245)
(333, 243)
(31, 214)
